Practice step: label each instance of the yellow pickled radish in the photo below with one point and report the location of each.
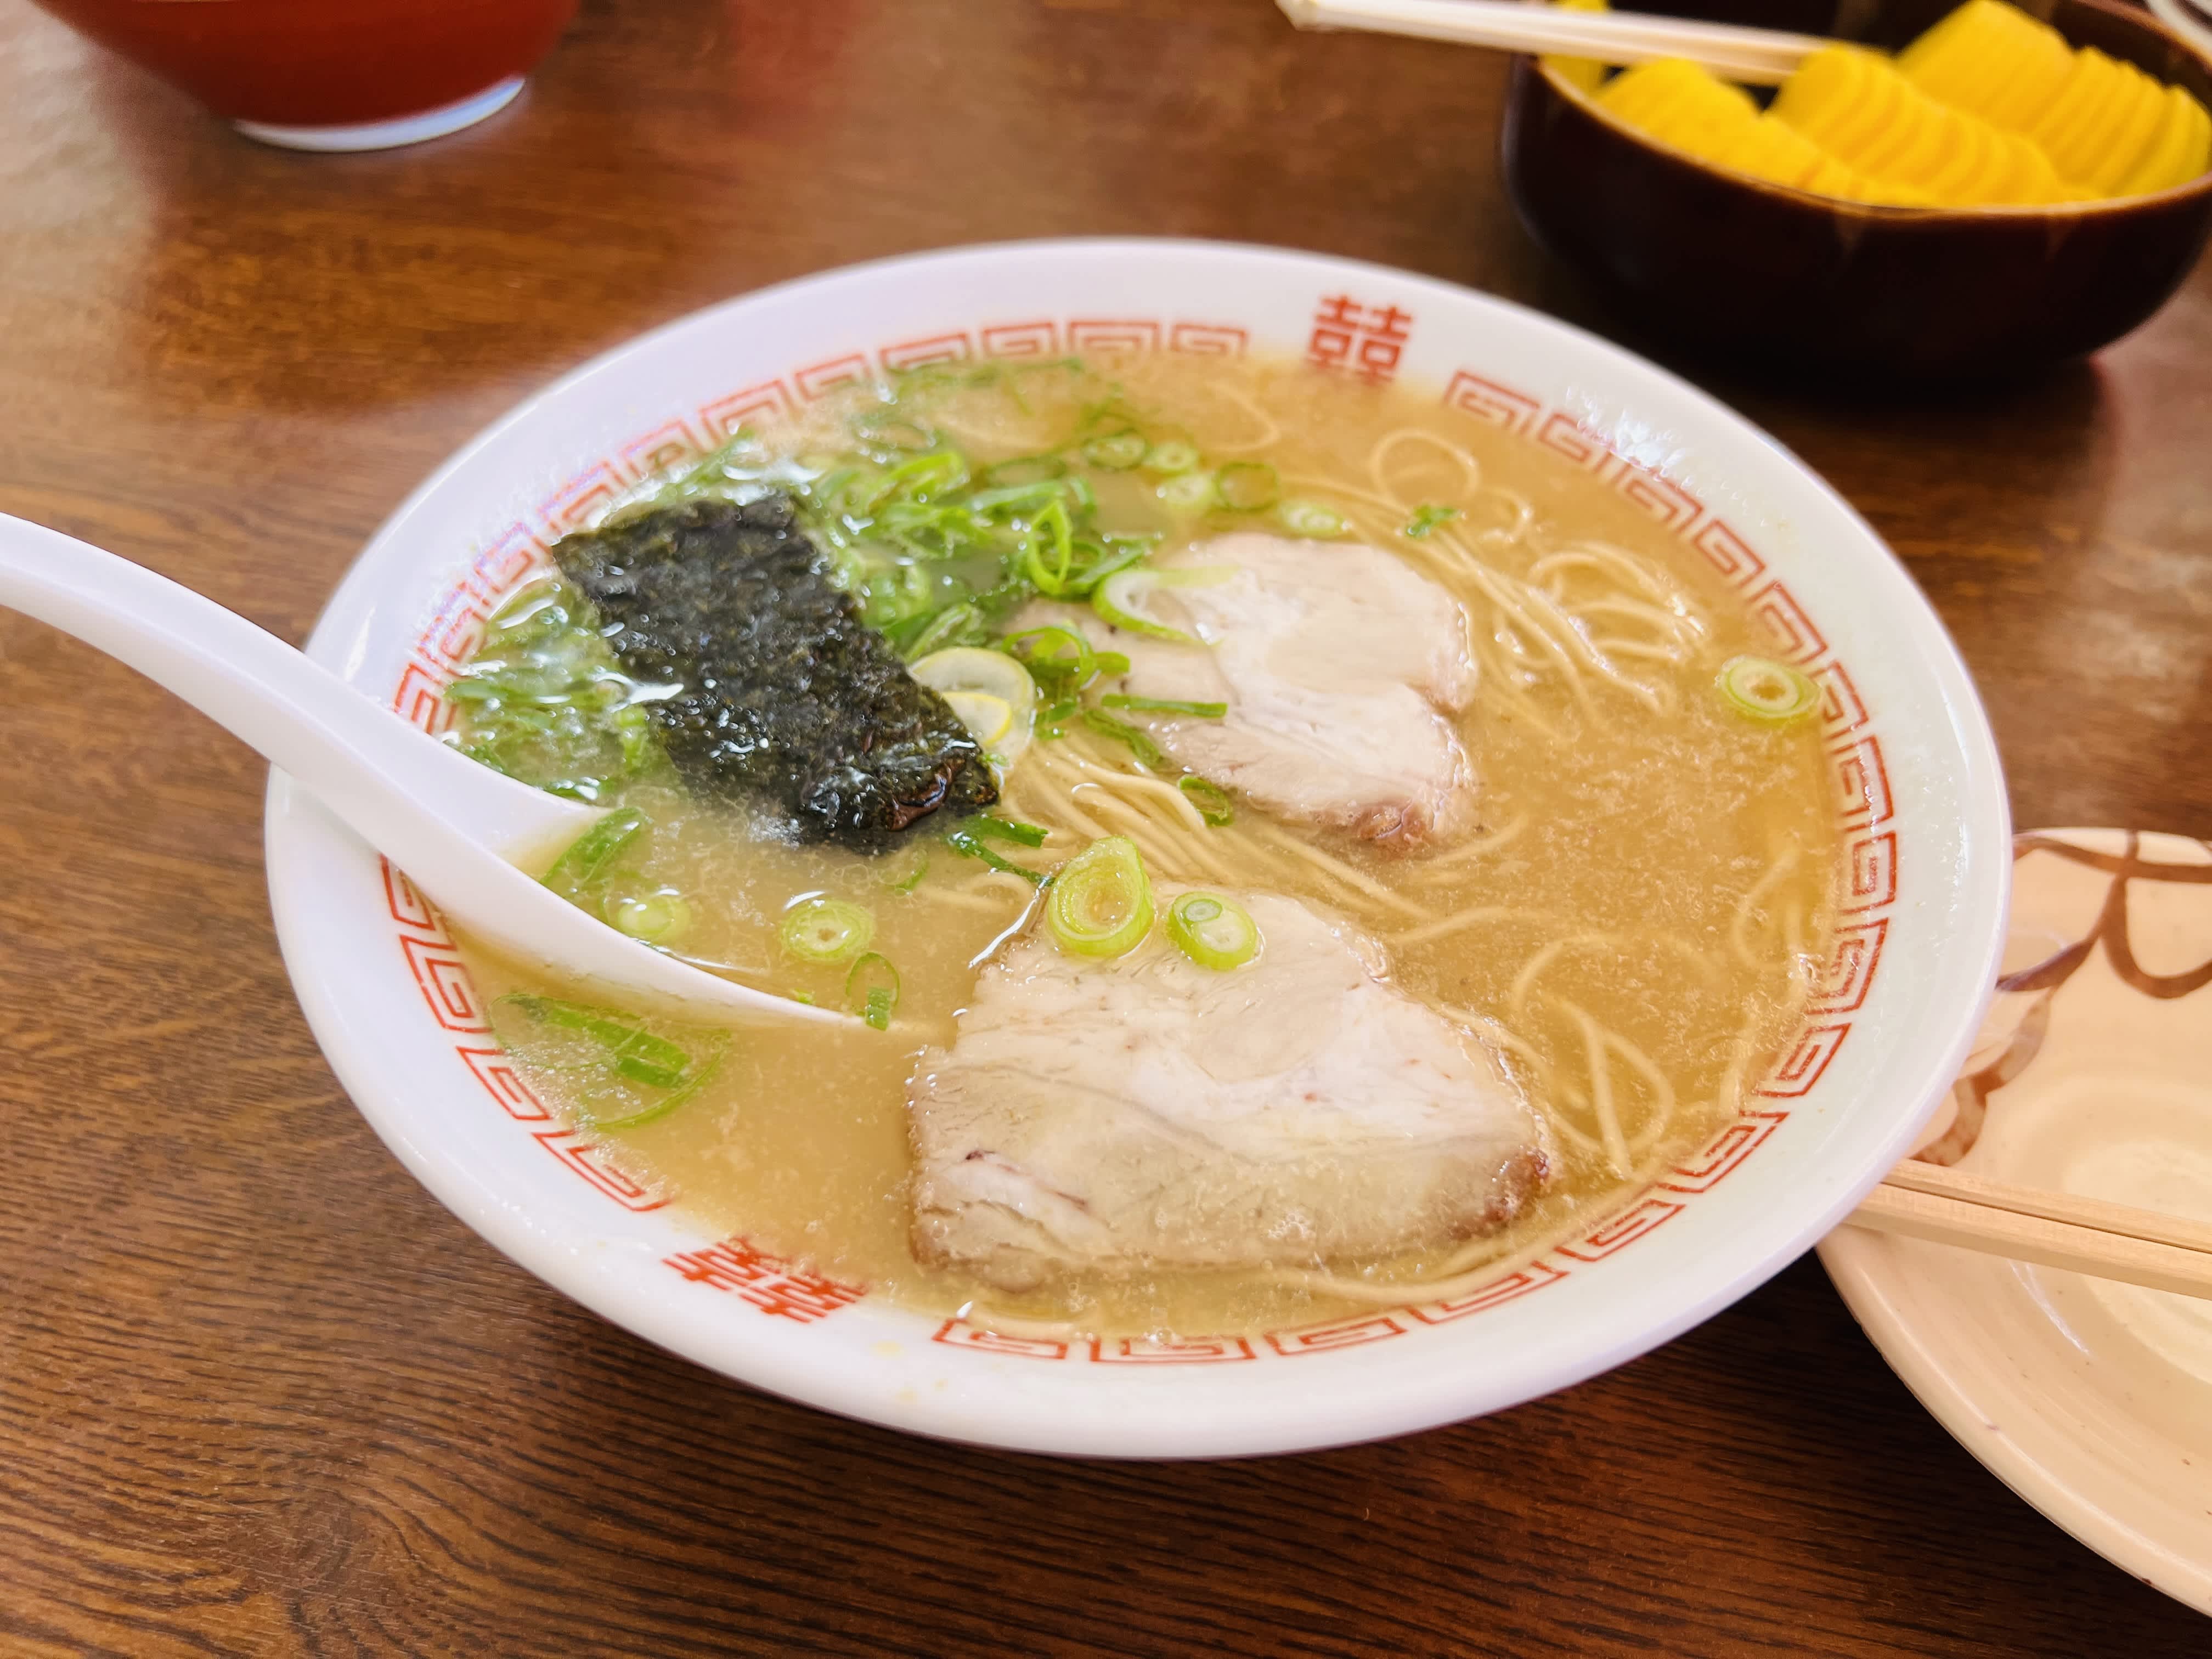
(1673, 98)
(1832, 177)
(2197, 146)
(1823, 92)
(2014, 172)
(1870, 117)
(1989, 107)
(2105, 128)
(1990, 60)
(2165, 152)
(1963, 164)
(1790, 158)
(2093, 98)
(1942, 61)
(2182, 151)
(1585, 74)
(1767, 149)
(2012, 103)
(2131, 141)
(1881, 126)
(1869, 110)
(1912, 149)
(2031, 178)
(1997, 178)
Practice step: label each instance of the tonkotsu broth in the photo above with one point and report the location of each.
(1637, 918)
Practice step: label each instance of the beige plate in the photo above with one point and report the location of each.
(2093, 1075)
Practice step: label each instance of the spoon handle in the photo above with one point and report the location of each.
(428, 807)
(382, 776)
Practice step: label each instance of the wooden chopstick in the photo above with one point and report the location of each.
(1760, 57)
(2032, 1223)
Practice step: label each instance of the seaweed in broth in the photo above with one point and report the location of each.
(1649, 887)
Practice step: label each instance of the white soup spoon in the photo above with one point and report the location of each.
(452, 825)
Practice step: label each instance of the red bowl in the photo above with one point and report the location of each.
(1801, 284)
(326, 63)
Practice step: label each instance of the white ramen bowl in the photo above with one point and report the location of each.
(1915, 772)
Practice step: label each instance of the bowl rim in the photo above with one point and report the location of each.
(1900, 212)
(1148, 1415)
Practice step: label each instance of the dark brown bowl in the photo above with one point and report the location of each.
(1795, 282)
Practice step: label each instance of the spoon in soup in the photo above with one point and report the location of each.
(449, 822)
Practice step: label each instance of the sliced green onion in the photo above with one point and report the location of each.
(926, 476)
(1205, 711)
(1101, 902)
(826, 930)
(1147, 752)
(958, 624)
(1428, 517)
(1088, 574)
(1246, 486)
(1012, 499)
(1116, 452)
(1170, 458)
(1051, 719)
(633, 729)
(620, 1053)
(1767, 691)
(635, 1052)
(1311, 518)
(587, 859)
(1188, 492)
(1213, 932)
(1049, 551)
(654, 917)
(1053, 654)
(1212, 801)
(1120, 597)
(872, 990)
(1023, 835)
(660, 1107)
(887, 430)
(968, 844)
(909, 878)
(1111, 663)
(1024, 470)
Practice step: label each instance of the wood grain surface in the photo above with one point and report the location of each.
(259, 1394)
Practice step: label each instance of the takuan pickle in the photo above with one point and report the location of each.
(1989, 108)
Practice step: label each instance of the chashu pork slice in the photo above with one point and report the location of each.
(1147, 1112)
(1344, 670)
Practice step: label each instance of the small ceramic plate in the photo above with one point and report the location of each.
(2092, 1400)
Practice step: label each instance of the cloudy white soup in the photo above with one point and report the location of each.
(1285, 845)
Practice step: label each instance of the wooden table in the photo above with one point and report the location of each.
(259, 1394)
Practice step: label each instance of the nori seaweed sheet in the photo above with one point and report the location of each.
(789, 700)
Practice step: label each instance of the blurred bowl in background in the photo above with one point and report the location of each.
(333, 74)
(1797, 283)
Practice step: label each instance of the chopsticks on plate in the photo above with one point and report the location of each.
(1758, 56)
(2053, 1229)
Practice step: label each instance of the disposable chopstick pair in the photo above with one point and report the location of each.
(2053, 1229)
(1757, 57)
